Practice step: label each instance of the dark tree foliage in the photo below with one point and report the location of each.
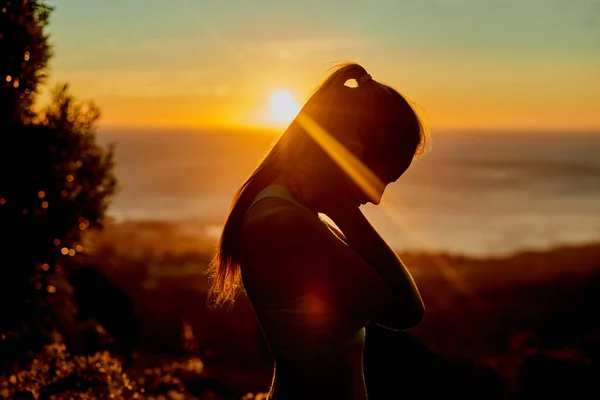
(55, 182)
(24, 55)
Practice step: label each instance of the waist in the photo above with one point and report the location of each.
(339, 376)
(313, 348)
(293, 333)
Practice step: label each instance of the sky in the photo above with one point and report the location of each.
(466, 64)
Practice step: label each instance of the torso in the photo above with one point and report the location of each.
(316, 348)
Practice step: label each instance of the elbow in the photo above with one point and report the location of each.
(415, 317)
(403, 320)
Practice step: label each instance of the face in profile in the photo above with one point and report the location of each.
(374, 123)
(386, 165)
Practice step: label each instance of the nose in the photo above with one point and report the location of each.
(376, 200)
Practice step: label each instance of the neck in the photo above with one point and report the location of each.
(314, 193)
(293, 185)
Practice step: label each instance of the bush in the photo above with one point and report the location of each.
(55, 373)
(55, 181)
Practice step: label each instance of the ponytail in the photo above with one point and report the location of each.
(340, 109)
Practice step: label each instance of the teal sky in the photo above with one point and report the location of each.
(467, 63)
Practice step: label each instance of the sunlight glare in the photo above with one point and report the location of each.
(372, 186)
(283, 107)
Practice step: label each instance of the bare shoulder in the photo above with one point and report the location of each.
(279, 242)
(276, 220)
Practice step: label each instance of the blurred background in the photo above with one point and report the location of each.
(127, 126)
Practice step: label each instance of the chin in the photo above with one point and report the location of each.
(363, 201)
(367, 200)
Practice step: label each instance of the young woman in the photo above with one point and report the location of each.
(314, 287)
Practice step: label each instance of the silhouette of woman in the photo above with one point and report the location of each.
(314, 286)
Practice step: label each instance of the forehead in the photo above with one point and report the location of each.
(390, 170)
(392, 153)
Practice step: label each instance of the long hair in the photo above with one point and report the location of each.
(372, 112)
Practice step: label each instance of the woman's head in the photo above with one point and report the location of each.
(369, 121)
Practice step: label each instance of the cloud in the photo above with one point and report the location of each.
(135, 82)
(300, 48)
(222, 90)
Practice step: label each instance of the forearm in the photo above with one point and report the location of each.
(366, 241)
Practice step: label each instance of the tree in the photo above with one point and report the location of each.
(55, 181)
(24, 52)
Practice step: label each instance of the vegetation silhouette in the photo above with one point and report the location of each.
(55, 181)
(98, 299)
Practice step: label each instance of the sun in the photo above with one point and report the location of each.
(283, 107)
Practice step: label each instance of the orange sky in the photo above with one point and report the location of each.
(468, 65)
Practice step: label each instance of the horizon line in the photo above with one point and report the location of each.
(240, 128)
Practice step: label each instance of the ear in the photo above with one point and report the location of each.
(356, 148)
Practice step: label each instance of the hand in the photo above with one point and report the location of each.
(354, 225)
(333, 202)
(336, 202)
(361, 236)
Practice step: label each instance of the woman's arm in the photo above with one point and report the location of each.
(335, 231)
(288, 251)
(363, 238)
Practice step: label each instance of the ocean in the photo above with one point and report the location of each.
(477, 194)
